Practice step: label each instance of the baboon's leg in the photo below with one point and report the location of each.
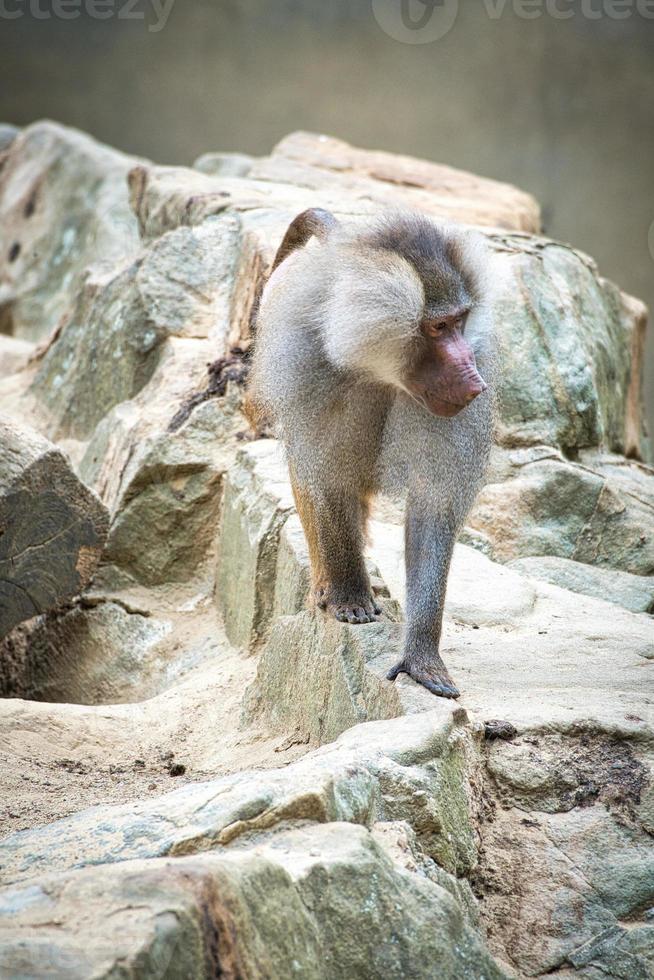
(429, 543)
(309, 520)
(333, 522)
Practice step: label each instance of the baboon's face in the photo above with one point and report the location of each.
(444, 376)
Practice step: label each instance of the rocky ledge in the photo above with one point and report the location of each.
(203, 778)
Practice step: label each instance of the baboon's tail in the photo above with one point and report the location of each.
(315, 221)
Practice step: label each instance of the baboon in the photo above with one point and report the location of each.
(373, 361)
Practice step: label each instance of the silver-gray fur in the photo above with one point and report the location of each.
(337, 328)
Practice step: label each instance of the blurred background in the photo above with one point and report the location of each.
(556, 97)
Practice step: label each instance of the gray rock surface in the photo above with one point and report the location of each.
(315, 902)
(599, 511)
(8, 134)
(572, 378)
(634, 592)
(323, 163)
(258, 500)
(98, 655)
(63, 208)
(224, 164)
(52, 527)
(114, 337)
(383, 770)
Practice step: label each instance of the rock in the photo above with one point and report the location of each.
(166, 515)
(52, 527)
(407, 768)
(292, 571)
(60, 758)
(14, 354)
(115, 335)
(348, 180)
(634, 592)
(102, 655)
(567, 834)
(524, 650)
(571, 346)
(63, 207)
(224, 164)
(389, 179)
(400, 842)
(8, 134)
(313, 902)
(257, 502)
(321, 677)
(506, 599)
(538, 503)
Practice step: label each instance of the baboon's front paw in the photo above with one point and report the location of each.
(356, 611)
(362, 609)
(433, 676)
(346, 612)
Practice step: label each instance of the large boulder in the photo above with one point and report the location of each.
(304, 166)
(258, 500)
(537, 502)
(99, 655)
(63, 208)
(115, 332)
(52, 527)
(571, 351)
(322, 677)
(323, 163)
(314, 902)
(408, 768)
(163, 488)
(570, 835)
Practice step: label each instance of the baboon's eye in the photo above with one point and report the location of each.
(435, 325)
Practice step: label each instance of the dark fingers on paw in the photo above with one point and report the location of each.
(440, 690)
(354, 615)
(394, 671)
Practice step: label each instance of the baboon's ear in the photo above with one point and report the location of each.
(314, 221)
